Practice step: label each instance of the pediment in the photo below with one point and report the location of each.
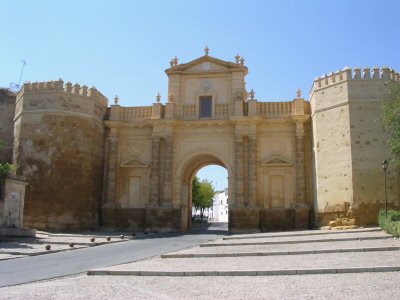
(206, 63)
(276, 161)
(134, 163)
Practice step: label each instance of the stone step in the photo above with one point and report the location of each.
(241, 254)
(300, 233)
(299, 240)
(365, 261)
(354, 244)
(246, 273)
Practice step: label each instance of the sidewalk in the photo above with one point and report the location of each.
(16, 247)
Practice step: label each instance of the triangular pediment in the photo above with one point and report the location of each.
(134, 163)
(206, 63)
(276, 161)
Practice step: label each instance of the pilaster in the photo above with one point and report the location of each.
(112, 169)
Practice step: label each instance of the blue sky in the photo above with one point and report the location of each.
(123, 47)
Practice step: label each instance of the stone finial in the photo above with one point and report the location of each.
(158, 97)
(171, 63)
(206, 50)
(252, 94)
(116, 100)
(298, 93)
(175, 60)
(242, 61)
(237, 58)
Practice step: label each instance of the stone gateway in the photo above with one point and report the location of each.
(291, 165)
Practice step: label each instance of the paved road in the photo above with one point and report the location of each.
(30, 269)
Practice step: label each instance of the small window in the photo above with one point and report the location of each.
(205, 103)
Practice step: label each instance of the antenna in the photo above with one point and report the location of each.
(22, 71)
(14, 86)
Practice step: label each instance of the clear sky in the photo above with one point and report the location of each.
(123, 47)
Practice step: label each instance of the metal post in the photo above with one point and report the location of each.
(385, 164)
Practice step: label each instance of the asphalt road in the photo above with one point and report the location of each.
(35, 268)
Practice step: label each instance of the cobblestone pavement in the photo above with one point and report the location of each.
(368, 248)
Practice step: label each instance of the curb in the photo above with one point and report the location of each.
(76, 247)
(322, 251)
(246, 273)
(350, 231)
(297, 242)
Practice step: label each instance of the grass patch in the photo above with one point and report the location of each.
(391, 224)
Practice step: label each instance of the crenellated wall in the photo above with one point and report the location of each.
(59, 148)
(350, 142)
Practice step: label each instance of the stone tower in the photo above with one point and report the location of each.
(349, 142)
(7, 108)
(59, 148)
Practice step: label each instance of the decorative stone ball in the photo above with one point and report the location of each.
(108, 238)
(92, 239)
(71, 245)
(122, 236)
(48, 247)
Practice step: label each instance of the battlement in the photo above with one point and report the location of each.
(58, 85)
(347, 73)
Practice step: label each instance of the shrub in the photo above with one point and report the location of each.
(391, 224)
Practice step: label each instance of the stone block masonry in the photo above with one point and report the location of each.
(60, 138)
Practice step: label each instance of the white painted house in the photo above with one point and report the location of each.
(219, 210)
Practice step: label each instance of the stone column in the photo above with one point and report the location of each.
(155, 172)
(167, 171)
(300, 165)
(252, 171)
(238, 171)
(112, 170)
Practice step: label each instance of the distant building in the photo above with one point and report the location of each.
(219, 210)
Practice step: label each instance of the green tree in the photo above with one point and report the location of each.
(391, 119)
(202, 195)
(5, 167)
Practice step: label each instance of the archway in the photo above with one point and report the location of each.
(215, 217)
(187, 173)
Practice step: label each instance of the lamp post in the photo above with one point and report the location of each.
(385, 164)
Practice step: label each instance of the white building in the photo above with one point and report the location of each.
(219, 210)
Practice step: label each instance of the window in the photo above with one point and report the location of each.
(205, 103)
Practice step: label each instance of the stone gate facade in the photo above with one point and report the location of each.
(291, 165)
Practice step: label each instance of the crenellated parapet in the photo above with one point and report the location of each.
(59, 86)
(56, 96)
(376, 73)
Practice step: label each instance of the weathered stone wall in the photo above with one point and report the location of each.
(7, 111)
(59, 138)
(369, 148)
(350, 143)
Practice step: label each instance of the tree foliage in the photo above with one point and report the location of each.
(391, 119)
(5, 167)
(202, 194)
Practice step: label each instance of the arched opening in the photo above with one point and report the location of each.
(211, 168)
(214, 217)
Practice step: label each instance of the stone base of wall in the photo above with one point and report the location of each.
(277, 219)
(163, 219)
(366, 214)
(132, 219)
(285, 219)
(244, 220)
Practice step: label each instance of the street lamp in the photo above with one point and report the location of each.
(385, 164)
